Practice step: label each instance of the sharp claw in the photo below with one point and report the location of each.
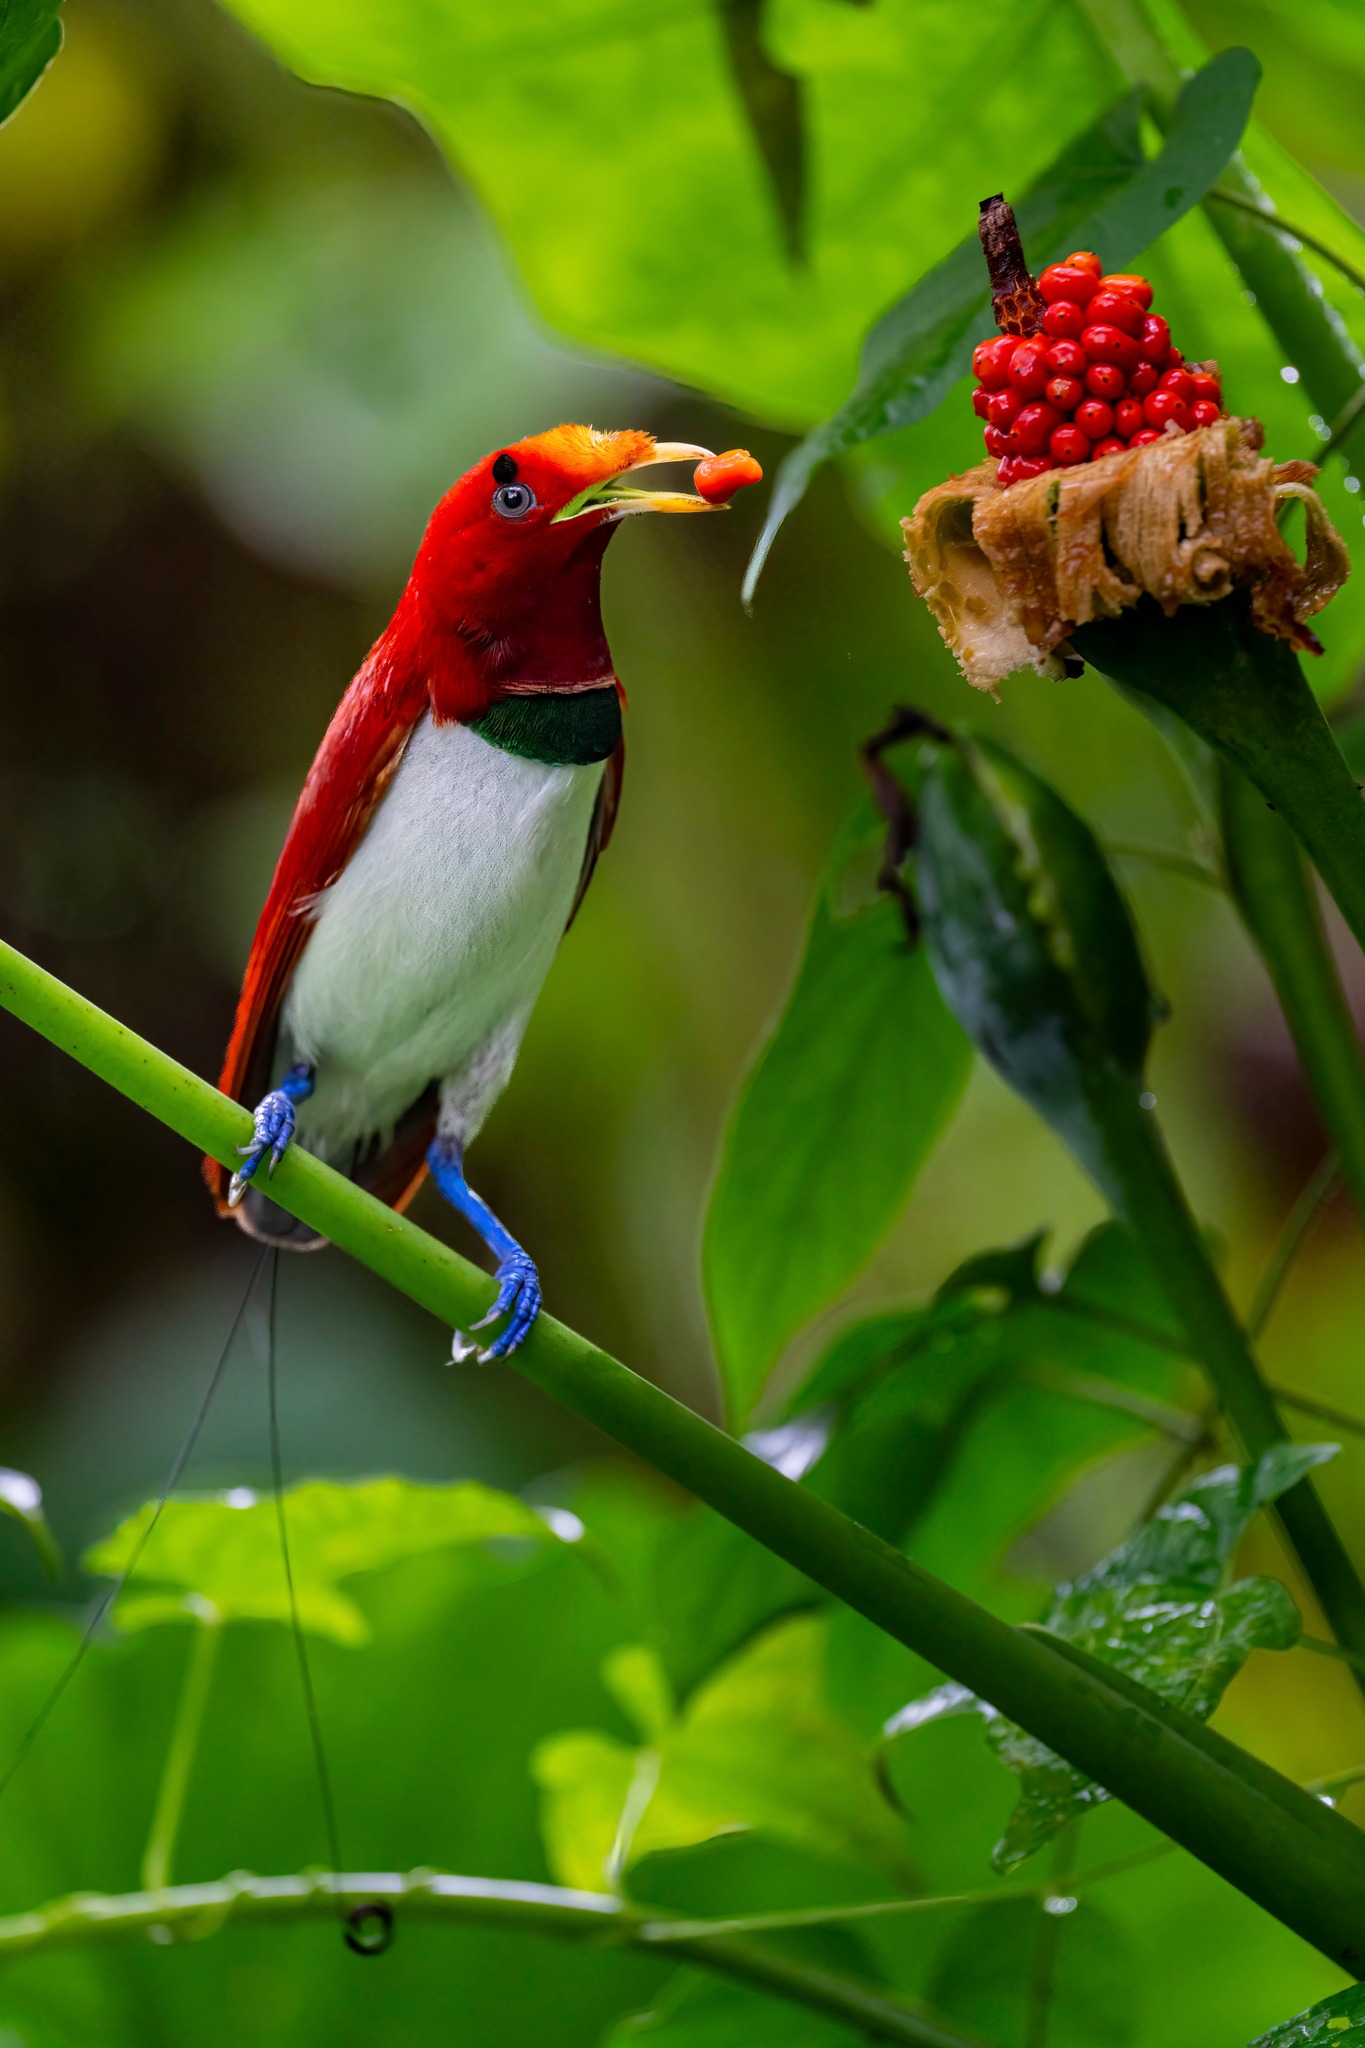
(236, 1189)
(462, 1348)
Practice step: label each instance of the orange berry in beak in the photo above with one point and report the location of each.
(717, 477)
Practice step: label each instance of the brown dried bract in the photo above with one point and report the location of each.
(1186, 520)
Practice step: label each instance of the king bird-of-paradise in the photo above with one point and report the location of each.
(444, 837)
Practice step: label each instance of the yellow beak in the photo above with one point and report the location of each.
(619, 499)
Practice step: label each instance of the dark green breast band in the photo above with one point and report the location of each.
(569, 728)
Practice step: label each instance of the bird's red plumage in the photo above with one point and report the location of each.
(490, 610)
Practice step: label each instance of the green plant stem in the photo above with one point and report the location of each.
(1316, 1190)
(1268, 218)
(1311, 333)
(1297, 1859)
(1277, 904)
(1246, 695)
(1047, 1946)
(1333, 1650)
(1142, 1185)
(597, 1918)
(179, 1759)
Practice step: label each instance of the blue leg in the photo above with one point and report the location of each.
(518, 1281)
(274, 1129)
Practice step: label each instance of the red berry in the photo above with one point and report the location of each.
(1173, 357)
(1106, 344)
(997, 441)
(1003, 407)
(1206, 385)
(1141, 440)
(1113, 446)
(1095, 418)
(1105, 380)
(1067, 281)
(1004, 473)
(1032, 426)
(1086, 259)
(1204, 413)
(1129, 417)
(1031, 465)
(1114, 310)
(1028, 371)
(981, 402)
(1069, 444)
(1154, 339)
(1179, 381)
(1161, 406)
(1132, 287)
(1065, 393)
(1067, 359)
(1065, 319)
(1143, 379)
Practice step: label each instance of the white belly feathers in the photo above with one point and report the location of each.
(431, 947)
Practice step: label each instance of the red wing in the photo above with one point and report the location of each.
(359, 753)
(603, 822)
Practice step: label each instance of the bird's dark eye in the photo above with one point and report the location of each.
(514, 501)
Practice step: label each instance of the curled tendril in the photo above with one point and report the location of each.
(368, 1928)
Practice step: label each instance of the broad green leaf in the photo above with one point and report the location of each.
(1099, 194)
(830, 1129)
(1338, 2022)
(22, 1498)
(30, 37)
(662, 242)
(222, 1554)
(1157, 1609)
(987, 1976)
(755, 1747)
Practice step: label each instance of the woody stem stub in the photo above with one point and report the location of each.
(1016, 300)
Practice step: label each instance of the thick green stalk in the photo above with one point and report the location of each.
(1285, 1850)
(598, 1918)
(1142, 1185)
(179, 1762)
(1280, 911)
(1245, 694)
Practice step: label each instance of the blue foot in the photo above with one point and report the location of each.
(274, 1127)
(518, 1296)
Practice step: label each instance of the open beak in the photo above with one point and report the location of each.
(616, 498)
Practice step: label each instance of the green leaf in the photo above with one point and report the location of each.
(830, 1129)
(22, 1498)
(755, 1747)
(223, 1553)
(663, 243)
(1032, 942)
(1338, 2022)
(1156, 1609)
(986, 1975)
(1100, 193)
(30, 37)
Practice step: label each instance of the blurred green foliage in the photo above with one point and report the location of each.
(251, 331)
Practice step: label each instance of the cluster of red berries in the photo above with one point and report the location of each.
(1102, 376)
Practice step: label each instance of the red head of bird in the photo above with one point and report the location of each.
(504, 597)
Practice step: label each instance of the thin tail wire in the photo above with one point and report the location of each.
(367, 1927)
(107, 1600)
